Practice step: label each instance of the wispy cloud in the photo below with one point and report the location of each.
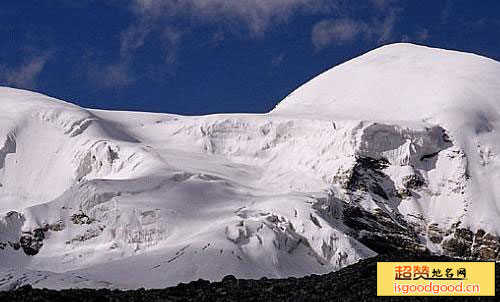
(384, 29)
(277, 60)
(26, 74)
(382, 4)
(339, 31)
(256, 15)
(447, 11)
(336, 31)
(134, 37)
(171, 38)
(158, 19)
(119, 73)
(110, 75)
(421, 35)
(253, 17)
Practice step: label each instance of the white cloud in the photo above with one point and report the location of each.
(119, 73)
(345, 30)
(382, 4)
(26, 74)
(134, 37)
(156, 17)
(384, 29)
(111, 75)
(423, 35)
(336, 31)
(257, 15)
(171, 38)
(277, 60)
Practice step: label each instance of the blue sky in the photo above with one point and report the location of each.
(208, 56)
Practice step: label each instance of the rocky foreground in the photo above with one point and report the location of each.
(356, 282)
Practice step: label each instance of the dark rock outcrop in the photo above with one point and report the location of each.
(31, 242)
(466, 244)
(80, 218)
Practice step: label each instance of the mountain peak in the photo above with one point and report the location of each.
(400, 81)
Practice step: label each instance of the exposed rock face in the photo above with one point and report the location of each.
(460, 244)
(367, 176)
(31, 242)
(379, 231)
(413, 182)
(384, 229)
(434, 233)
(87, 235)
(480, 245)
(81, 218)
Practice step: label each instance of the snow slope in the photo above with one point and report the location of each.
(394, 149)
(170, 198)
(402, 83)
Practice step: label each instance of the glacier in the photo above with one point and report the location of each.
(395, 149)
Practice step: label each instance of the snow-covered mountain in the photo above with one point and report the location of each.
(395, 149)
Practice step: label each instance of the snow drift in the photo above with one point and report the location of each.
(396, 149)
